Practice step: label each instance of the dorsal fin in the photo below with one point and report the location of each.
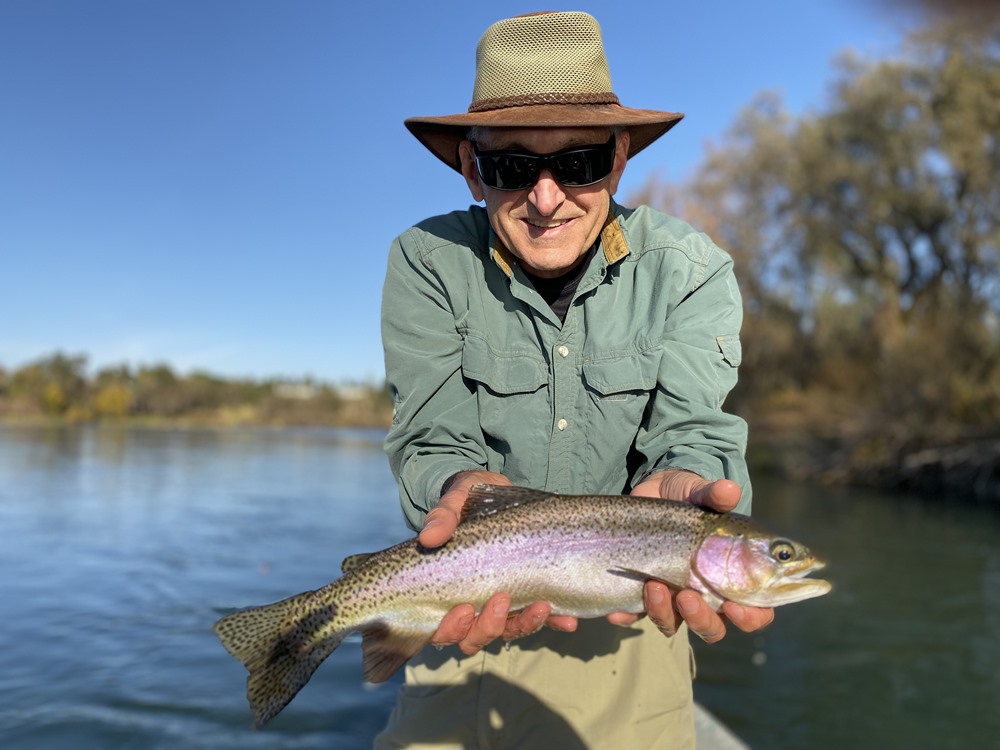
(487, 499)
(354, 561)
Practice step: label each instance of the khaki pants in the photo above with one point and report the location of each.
(601, 687)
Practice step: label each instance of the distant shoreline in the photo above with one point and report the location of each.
(966, 471)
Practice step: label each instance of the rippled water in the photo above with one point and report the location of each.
(120, 547)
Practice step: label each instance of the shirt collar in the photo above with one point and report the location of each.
(612, 240)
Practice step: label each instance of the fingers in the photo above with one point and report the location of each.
(527, 621)
(748, 619)
(471, 634)
(625, 619)
(565, 623)
(454, 626)
(440, 523)
(676, 484)
(710, 626)
(722, 495)
(660, 607)
(442, 520)
(700, 618)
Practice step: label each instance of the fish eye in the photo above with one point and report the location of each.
(782, 551)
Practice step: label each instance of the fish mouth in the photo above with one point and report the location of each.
(789, 586)
(800, 588)
(803, 569)
(795, 585)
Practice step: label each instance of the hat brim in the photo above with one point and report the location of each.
(441, 135)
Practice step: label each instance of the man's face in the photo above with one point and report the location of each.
(547, 226)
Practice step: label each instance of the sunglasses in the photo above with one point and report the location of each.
(577, 166)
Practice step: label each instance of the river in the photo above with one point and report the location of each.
(119, 547)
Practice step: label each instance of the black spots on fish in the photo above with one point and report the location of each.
(272, 684)
(310, 625)
(353, 562)
(430, 551)
(250, 631)
(281, 645)
(488, 499)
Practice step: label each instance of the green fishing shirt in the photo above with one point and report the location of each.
(484, 376)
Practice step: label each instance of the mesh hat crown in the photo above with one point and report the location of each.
(541, 70)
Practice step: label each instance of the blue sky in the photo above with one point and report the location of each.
(214, 184)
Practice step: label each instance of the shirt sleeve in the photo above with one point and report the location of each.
(435, 429)
(686, 427)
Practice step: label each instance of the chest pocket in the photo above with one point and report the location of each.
(504, 374)
(512, 391)
(615, 378)
(620, 389)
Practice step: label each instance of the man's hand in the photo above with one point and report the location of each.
(461, 626)
(667, 609)
(722, 495)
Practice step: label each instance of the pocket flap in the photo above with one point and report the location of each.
(634, 372)
(731, 348)
(502, 373)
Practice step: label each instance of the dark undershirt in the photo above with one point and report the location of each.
(558, 292)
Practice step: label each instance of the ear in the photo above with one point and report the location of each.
(621, 157)
(469, 170)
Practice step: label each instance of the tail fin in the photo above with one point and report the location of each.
(276, 643)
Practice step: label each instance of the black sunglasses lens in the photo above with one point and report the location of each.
(583, 167)
(506, 170)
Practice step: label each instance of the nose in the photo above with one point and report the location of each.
(546, 195)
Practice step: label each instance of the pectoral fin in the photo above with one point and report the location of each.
(386, 650)
(635, 575)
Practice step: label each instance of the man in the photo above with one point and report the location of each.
(554, 339)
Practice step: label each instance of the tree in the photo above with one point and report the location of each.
(867, 238)
(51, 384)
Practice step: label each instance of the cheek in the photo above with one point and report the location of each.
(499, 207)
(728, 564)
(712, 560)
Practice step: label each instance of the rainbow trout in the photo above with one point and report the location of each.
(586, 555)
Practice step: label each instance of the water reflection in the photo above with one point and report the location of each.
(119, 547)
(898, 651)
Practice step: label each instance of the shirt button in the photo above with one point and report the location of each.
(562, 424)
(563, 351)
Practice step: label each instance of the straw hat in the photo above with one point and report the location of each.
(542, 70)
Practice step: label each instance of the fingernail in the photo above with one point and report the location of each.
(735, 609)
(500, 607)
(687, 605)
(655, 594)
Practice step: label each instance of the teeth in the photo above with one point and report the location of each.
(546, 224)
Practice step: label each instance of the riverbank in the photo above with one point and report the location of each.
(950, 468)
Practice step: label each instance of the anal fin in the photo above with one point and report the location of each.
(386, 650)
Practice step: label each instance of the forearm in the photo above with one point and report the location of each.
(686, 427)
(435, 431)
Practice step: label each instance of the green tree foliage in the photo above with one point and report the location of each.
(51, 384)
(867, 238)
(58, 387)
